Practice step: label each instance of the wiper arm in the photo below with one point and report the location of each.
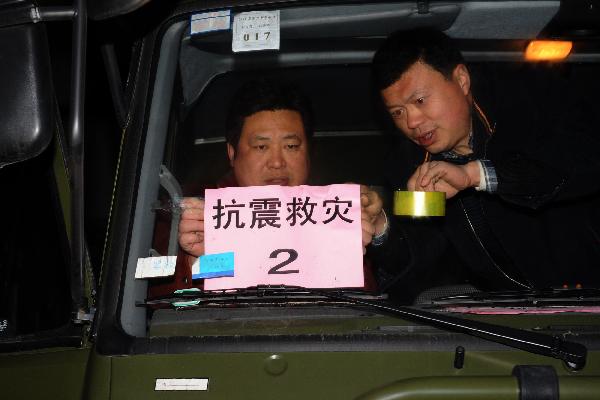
(574, 354)
(537, 297)
(193, 297)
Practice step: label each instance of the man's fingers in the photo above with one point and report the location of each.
(410, 185)
(368, 230)
(192, 215)
(446, 175)
(425, 167)
(191, 226)
(193, 208)
(414, 181)
(366, 240)
(192, 244)
(435, 177)
(191, 238)
(365, 198)
(367, 226)
(442, 186)
(192, 202)
(426, 176)
(439, 176)
(427, 170)
(186, 226)
(420, 172)
(371, 205)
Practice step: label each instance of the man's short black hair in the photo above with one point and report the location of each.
(265, 95)
(404, 48)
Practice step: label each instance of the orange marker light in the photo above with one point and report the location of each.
(548, 50)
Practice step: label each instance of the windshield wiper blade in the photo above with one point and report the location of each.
(537, 297)
(574, 354)
(193, 297)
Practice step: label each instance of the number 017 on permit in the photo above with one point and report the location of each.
(256, 30)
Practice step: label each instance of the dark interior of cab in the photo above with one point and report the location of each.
(329, 60)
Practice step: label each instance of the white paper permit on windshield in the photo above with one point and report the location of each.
(255, 30)
(210, 22)
(155, 267)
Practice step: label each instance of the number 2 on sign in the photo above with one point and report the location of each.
(256, 36)
(292, 255)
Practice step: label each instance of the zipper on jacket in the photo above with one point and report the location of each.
(498, 268)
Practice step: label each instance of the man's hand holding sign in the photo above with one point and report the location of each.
(191, 228)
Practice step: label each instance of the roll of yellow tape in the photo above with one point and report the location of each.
(420, 204)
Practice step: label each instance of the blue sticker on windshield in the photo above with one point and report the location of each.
(213, 266)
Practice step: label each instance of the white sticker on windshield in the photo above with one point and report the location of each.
(181, 384)
(210, 22)
(154, 267)
(256, 30)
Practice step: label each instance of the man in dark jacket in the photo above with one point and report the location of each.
(522, 181)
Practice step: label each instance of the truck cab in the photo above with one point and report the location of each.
(76, 323)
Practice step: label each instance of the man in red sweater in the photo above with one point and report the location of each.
(269, 129)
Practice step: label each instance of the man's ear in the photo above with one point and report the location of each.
(461, 76)
(230, 154)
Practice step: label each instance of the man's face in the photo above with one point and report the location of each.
(432, 111)
(272, 150)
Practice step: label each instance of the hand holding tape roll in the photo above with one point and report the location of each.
(441, 176)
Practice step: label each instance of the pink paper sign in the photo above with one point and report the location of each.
(303, 235)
